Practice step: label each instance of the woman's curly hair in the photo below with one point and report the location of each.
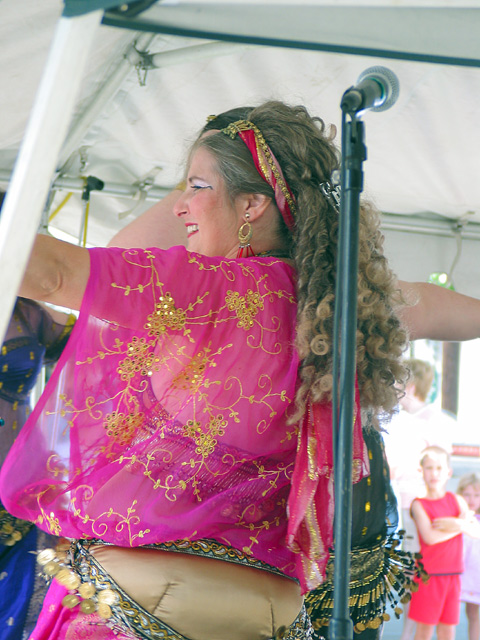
(306, 153)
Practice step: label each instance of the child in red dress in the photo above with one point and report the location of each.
(440, 517)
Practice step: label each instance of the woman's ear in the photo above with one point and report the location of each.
(255, 204)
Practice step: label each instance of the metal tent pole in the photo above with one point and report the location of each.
(37, 159)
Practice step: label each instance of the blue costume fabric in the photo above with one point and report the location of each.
(32, 340)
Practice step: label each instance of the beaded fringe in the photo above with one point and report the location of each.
(381, 576)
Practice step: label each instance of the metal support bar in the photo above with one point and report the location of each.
(35, 166)
(110, 188)
(195, 52)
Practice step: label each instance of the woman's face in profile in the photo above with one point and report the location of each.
(212, 222)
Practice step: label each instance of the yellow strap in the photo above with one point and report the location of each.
(87, 209)
(62, 204)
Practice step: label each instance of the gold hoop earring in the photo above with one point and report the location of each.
(245, 234)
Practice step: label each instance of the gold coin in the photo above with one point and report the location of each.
(68, 579)
(360, 626)
(45, 556)
(51, 568)
(386, 617)
(104, 611)
(281, 631)
(7, 528)
(70, 601)
(107, 596)
(398, 610)
(75, 583)
(16, 535)
(87, 606)
(63, 577)
(86, 590)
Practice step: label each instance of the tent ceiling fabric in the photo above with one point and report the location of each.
(378, 30)
(422, 153)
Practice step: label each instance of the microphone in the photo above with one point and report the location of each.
(377, 89)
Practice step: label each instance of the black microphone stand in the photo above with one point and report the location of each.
(344, 357)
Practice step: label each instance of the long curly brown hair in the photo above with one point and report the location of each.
(305, 151)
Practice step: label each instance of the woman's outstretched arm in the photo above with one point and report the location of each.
(57, 272)
(436, 313)
(155, 227)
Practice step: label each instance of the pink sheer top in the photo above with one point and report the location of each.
(166, 417)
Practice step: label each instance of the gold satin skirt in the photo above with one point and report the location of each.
(203, 598)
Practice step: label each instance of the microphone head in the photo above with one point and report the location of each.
(389, 83)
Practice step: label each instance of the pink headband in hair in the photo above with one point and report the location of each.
(267, 166)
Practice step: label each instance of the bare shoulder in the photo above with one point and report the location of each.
(417, 508)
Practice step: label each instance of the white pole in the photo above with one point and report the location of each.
(36, 162)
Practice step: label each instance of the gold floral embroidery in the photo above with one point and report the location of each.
(249, 519)
(139, 359)
(166, 316)
(192, 375)
(128, 521)
(122, 428)
(205, 440)
(53, 522)
(246, 307)
(273, 475)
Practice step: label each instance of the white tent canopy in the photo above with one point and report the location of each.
(131, 121)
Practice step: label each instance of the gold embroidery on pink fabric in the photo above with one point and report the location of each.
(248, 519)
(199, 412)
(128, 522)
(246, 307)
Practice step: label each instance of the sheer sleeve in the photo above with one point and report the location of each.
(51, 334)
(166, 417)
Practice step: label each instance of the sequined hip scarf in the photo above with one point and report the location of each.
(156, 594)
(12, 530)
(380, 575)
